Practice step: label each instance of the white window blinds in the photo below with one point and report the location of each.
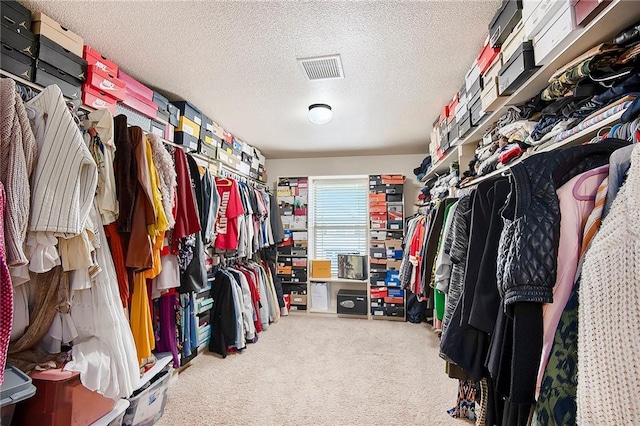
(339, 218)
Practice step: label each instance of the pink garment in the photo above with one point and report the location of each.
(577, 199)
(6, 293)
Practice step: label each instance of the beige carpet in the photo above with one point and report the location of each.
(320, 370)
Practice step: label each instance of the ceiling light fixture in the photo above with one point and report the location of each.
(320, 113)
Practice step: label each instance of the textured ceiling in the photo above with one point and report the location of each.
(236, 61)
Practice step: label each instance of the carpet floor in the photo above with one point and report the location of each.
(320, 370)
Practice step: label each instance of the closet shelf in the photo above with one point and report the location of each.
(162, 360)
(576, 139)
(619, 14)
(338, 280)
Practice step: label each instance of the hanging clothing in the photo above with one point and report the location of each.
(99, 139)
(125, 172)
(104, 352)
(6, 293)
(230, 209)
(186, 212)
(167, 175)
(18, 151)
(223, 315)
(65, 176)
(611, 272)
(577, 199)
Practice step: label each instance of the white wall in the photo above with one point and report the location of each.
(361, 165)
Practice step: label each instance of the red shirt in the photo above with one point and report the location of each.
(230, 208)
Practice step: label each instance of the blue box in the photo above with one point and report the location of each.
(395, 292)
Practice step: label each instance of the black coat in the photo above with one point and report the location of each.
(223, 315)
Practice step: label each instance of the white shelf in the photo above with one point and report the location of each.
(162, 360)
(338, 280)
(576, 139)
(617, 16)
(320, 311)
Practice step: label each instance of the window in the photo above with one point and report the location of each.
(339, 218)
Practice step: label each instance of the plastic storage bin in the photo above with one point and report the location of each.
(147, 405)
(16, 387)
(62, 400)
(115, 416)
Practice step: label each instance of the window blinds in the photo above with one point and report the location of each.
(339, 218)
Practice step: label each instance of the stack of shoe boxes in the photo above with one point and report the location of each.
(293, 196)
(102, 88)
(386, 211)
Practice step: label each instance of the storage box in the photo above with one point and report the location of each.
(394, 198)
(161, 101)
(134, 86)
(44, 25)
(16, 63)
(512, 43)
(352, 266)
(394, 300)
(174, 115)
(395, 224)
(93, 57)
(298, 299)
(465, 125)
(157, 128)
(477, 113)
(539, 13)
(46, 75)
(395, 292)
(191, 112)
(143, 106)
(115, 416)
(472, 75)
(134, 118)
(56, 56)
(555, 35)
(504, 21)
(517, 70)
(352, 302)
(14, 13)
(187, 126)
(378, 312)
(186, 140)
(490, 98)
(207, 149)
(395, 311)
(321, 268)
(62, 400)
(98, 99)
(16, 387)
(105, 82)
(487, 56)
(586, 10)
(147, 406)
(378, 292)
(394, 264)
(22, 41)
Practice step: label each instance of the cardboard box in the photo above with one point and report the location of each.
(320, 268)
(394, 264)
(298, 299)
(394, 300)
(44, 25)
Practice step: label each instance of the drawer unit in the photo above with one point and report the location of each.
(44, 25)
(504, 21)
(106, 82)
(517, 70)
(539, 13)
(93, 57)
(513, 42)
(46, 75)
(98, 99)
(21, 41)
(16, 63)
(586, 10)
(352, 302)
(554, 36)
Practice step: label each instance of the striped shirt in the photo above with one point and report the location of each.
(595, 218)
(65, 177)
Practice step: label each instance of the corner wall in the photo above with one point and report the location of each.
(361, 165)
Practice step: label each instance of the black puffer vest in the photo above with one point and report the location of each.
(528, 248)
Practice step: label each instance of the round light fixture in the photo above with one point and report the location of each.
(320, 113)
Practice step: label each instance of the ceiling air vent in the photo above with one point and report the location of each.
(322, 67)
